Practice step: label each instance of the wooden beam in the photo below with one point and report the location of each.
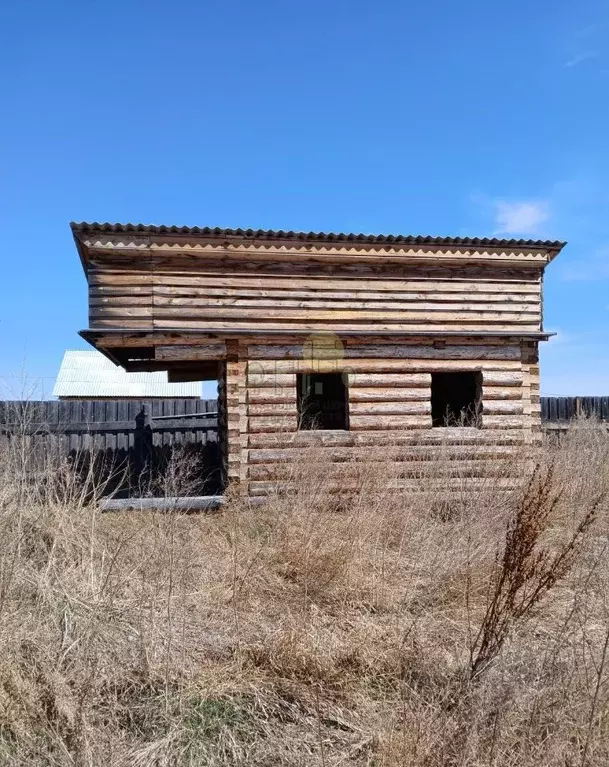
(186, 353)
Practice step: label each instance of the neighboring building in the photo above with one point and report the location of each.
(352, 344)
(90, 375)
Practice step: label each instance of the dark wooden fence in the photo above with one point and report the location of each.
(560, 409)
(132, 443)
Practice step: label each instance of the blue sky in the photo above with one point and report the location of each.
(442, 118)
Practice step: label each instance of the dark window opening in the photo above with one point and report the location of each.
(456, 398)
(322, 401)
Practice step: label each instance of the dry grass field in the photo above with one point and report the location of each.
(370, 629)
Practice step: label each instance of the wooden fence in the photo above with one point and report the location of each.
(132, 442)
(561, 409)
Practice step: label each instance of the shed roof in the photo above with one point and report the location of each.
(90, 374)
(272, 234)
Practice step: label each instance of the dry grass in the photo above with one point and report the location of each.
(312, 631)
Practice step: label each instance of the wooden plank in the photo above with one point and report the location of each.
(332, 259)
(230, 248)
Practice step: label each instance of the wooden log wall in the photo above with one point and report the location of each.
(143, 292)
(389, 393)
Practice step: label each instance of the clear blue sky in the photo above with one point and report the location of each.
(446, 118)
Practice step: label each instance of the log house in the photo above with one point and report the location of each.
(349, 344)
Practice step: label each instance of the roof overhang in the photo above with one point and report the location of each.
(131, 239)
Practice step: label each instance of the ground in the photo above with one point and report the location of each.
(314, 630)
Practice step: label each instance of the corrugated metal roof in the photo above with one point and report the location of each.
(89, 374)
(271, 234)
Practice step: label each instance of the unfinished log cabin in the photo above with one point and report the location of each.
(354, 348)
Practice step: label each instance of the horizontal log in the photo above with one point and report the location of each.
(160, 338)
(275, 408)
(414, 453)
(388, 394)
(268, 306)
(389, 408)
(288, 290)
(249, 326)
(272, 423)
(376, 423)
(137, 340)
(189, 353)
(355, 366)
(503, 422)
(96, 312)
(501, 378)
(436, 437)
(501, 393)
(459, 281)
(333, 314)
(498, 407)
(268, 396)
(136, 299)
(390, 380)
(293, 291)
(428, 485)
(278, 382)
(121, 324)
(331, 349)
(494, 468)
(182, 503)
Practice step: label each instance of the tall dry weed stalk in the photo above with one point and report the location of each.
(526, 571)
